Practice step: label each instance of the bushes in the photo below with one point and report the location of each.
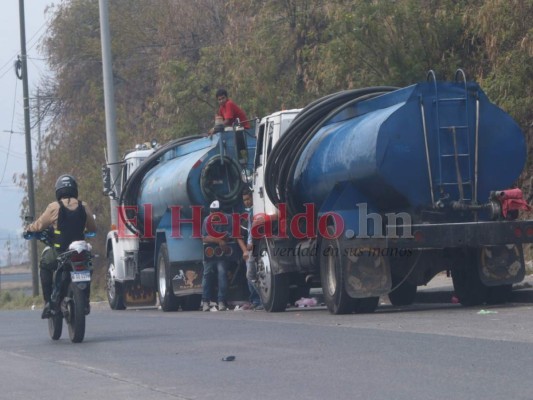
(17, 299)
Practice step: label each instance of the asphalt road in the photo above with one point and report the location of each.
(23, 277)
(429, 351)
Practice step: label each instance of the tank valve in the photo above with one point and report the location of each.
(495, 210)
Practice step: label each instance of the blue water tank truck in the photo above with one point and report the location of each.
(374, 191)
(164, 193)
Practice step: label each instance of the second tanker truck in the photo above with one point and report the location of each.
(163, 193)
(374, 191)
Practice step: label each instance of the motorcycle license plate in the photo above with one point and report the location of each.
(80, 276)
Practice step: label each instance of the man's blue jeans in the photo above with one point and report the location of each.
(254, 298)
(212, 269)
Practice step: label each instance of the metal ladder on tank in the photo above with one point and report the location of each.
(457, 129)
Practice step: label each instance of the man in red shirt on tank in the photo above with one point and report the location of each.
(230, 111)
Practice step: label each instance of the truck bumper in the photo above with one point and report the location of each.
(469, 234)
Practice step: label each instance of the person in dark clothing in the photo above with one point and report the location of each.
(215, 270)
(247, 250)
(69, 218)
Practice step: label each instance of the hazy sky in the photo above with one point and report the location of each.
(12, 145)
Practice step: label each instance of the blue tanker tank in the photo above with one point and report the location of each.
(427, 145)
(193, 174)
(188, 172)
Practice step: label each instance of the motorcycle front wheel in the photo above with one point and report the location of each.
(76, 313)
(55, 325)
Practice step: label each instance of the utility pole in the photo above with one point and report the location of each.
(29, 166)
(109, 99)
(39, 147)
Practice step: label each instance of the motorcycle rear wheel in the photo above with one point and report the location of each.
(76, 308)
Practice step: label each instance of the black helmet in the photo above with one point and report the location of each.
(66, 186)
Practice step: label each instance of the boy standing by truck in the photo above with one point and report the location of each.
(216, 230)
(251, 274)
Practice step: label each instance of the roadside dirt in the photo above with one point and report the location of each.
(16, 269)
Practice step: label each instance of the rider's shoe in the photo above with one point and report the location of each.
(47, 312)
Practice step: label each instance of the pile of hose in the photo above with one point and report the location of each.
(282, 161)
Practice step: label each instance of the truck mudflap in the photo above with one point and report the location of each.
(367, 273)
(501, 265)
(137, 295)
(187, 279)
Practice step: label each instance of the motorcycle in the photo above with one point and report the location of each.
(71, 287)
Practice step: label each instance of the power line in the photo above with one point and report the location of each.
(37, 67)
(7, 158)
(12, 154)
(11, 186)
(11, 135)
(10, 60)
(17, 133)
(5, 73)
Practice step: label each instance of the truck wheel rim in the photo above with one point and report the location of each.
(265, 273)
(331, 277)
(110, 282)
(162, 279)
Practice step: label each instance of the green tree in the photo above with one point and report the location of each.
(169, 57)
(394, 43)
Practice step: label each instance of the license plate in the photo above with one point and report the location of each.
(80, 276)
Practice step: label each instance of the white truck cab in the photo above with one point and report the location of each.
(122, 251)
(268, 133)
(133, 159)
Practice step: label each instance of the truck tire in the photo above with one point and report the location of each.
(366, 305)
(499, 294)
(191, 302)
(467, 284)
(114, 289)
(167, 299)
(298, 292)
(332, 278)
(273, 288)
(403, 293)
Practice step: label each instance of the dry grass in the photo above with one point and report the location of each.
(15, 269)
(18, 300)
(14, 295)
(15, 286)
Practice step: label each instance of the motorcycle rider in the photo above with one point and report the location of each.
(69, 218)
